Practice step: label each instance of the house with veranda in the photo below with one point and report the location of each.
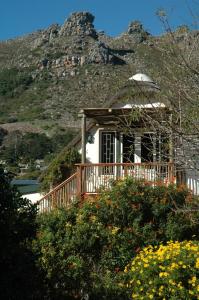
(131, 135)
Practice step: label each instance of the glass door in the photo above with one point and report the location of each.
(107, 147)
(108, 151)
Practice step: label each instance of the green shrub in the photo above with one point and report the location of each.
(13, 79)
(165, 272)
(26, 147)
(20, 277)
(84, 250)
(60, 168)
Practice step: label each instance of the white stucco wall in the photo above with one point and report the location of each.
(33, 197)
(92, 149)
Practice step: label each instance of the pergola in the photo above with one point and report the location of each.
(115, 117)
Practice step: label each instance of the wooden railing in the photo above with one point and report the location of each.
(61, 196)
(90, 178)
(189, 178)
(95, 176)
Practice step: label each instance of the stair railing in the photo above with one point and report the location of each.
(61, 196)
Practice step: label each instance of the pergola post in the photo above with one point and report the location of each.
(83, 138)
(171, 140)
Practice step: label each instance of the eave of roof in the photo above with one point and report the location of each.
(138, 88)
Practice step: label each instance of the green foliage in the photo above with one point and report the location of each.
(30, 175)
(10, 151)
(61, 139)
(12, 79)
(26, 148)
(54, 55)
(166, 272)
(3, 133)
(60, 168)
(83, 251)
(20, 279)
(35, 146)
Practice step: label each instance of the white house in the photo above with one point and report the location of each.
(132, 135)
(122, 132)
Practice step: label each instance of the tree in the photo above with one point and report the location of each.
(83, 250)
(174, 58)
(20, 278)
(60, 168)
(34, 146)
(26, 147)
(181, 75)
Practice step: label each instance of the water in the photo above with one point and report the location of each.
(26, 186)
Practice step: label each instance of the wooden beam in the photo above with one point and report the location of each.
(83, 138)
(171, 139)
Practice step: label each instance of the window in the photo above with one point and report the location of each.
(128, 148)
(107, 147)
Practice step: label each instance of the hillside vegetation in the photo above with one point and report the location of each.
(47, 76)
(50, 74)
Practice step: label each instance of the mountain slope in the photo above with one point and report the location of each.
(47, 76)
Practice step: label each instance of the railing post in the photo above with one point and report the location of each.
(54, 204)
(79, 181)
(83, 138)
(169, 173)
(181, 177)
(125, 171)
(172, 175)
(83, 180)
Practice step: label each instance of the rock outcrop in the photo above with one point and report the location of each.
(46, 36)
(79, 24)
(137, 32)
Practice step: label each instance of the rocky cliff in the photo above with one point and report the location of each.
(47, 76)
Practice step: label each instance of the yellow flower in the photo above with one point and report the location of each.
(134, 296)
(163, 274)
(172, 282)
(184, 266)
(170, 259)
(191, 292)
(115, 230)
(197, 263)
(93, 218)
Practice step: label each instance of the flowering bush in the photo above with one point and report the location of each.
(165, 272)
(84, 250)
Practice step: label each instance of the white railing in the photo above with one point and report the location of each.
(95, 176)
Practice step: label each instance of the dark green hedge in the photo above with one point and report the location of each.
(83, 251)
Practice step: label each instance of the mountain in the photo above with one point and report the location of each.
(47, 76)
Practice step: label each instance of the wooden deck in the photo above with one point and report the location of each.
(91, 178)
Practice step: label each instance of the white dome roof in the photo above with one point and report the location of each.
(141, 77)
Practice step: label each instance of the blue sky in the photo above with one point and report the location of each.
(19, 17)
